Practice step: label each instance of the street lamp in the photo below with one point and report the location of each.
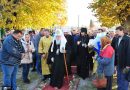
(78, 20)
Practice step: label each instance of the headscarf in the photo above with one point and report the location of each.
(63, 41)
(68, 30)
(23, 40)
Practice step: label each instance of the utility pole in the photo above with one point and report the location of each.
(78, 21)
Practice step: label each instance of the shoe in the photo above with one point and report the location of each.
(6, 88)
(17, 88)
(27, 81)
(44, 79)
(33, 70)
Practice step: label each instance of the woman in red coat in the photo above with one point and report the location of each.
(106, 61)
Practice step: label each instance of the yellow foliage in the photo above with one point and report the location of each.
(111, 12)
(32, 13)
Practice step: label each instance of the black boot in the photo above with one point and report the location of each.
(6, 88)
(27, 81)
(33, 70)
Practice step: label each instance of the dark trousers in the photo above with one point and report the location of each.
(68, 63)
(47, 76)
(38, 64)
(25, 72)
(109, 83)
(34, 61)
(91, 64)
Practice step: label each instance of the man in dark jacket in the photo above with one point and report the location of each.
(122, 49)
(12, 53)
(75, 38)
(113, 44)
(36, 45)
(69, 46)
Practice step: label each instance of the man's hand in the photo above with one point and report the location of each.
(128, 67)
(78, 42)
(64, 51)
(125, 70)
(52, 59)
(95, 57)
(29, 50)
(43, 55)
(85, 45)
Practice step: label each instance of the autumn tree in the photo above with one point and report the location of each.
(112, 12)
(31, 13)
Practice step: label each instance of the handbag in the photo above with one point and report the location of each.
(100, 81)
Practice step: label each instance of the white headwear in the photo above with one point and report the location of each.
(23, 40)
(103, 28)
(65, 29)
(59, 32)
(111, 30)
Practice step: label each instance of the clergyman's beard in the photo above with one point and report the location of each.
(47, 36)
(58, 42)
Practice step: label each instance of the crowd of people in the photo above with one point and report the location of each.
(51, 55)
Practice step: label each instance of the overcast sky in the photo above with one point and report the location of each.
(79, 8)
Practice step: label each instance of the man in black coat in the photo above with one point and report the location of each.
(75, 38)
(69, 46)
(82, 62)
(113, 44)
(122, 49)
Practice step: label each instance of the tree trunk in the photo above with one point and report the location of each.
(128, 22)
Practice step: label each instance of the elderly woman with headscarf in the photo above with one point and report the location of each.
(27, 60)
(106, 61)
(56, 59)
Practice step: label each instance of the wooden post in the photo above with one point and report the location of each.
(66, 68)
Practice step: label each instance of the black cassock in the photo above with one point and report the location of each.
(69, 46)
(57, 67)
(90, 55)
(83, 63)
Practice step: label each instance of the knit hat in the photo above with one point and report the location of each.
(84, 30)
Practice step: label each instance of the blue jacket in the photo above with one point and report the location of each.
(106, 64)
(11, 51)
